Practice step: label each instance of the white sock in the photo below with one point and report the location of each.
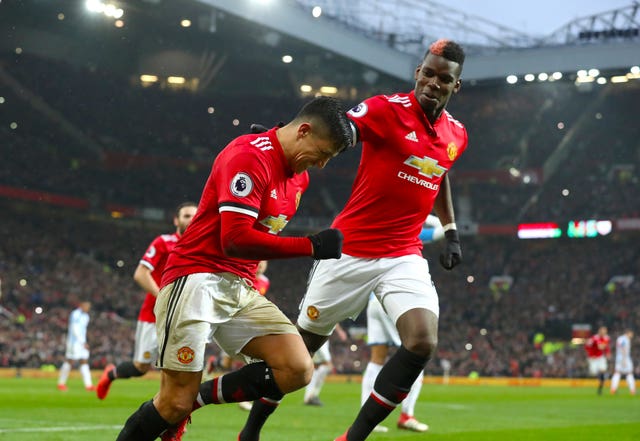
(368, 380)
(632, 383)
(86, 375)
(317, 381)
(64, 373)
(615, 382)
(409, 403)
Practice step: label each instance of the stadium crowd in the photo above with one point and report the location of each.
(483, 329)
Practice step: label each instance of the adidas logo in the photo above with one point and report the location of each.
(411, 136)
(274, 195)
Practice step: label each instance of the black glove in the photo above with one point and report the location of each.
(257, 128)
(327, 244)
(452, 253)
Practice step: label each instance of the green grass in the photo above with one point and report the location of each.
(32, 409)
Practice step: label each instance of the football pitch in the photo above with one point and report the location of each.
(33, 409)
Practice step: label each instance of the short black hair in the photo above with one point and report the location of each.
(184, 204)
(332, 115)
(448, 49)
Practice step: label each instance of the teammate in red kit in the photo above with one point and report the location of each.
(207, 290)
(262, 282)
(147, 275)
(598, 349)
(409, 143)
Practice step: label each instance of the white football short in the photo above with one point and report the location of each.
(76, 351)
(380, 329)
(146, 347)
(340, 289)
(323, 354)
(597, 365)
(222, 306)
(624, 368)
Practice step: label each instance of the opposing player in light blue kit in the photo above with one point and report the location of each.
(624, 363)
(77, 347)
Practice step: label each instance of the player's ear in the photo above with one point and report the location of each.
(303, 130)
(457, 87)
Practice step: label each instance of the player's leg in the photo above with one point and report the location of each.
(631, 382)
(184, 311)
(262, 332)
(410, 299)
(337, 289)
(146, 347)
(407, 419)
(323, 366)
(85, 373)
(418, 330)
(615, 381)
(168, 408)
(378, 357)
(65, 369)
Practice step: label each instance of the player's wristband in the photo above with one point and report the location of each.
(449, 226)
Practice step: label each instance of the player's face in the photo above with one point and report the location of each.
(436, 80)
(184, 218)
(313, 150)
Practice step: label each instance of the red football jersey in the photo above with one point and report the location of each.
(262, 284)
(597, 346)
(250, 176)
(155, 258)
(404, 159)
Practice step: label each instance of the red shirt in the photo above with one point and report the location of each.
(262, 284)
(597, 346)
(155, 258)
(404, 159)
(251, 177)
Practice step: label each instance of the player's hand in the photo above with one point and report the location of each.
(452, 253)
(327, 244)
(257, 128)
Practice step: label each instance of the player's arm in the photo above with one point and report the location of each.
(240, 239)
(443, 206)
(144, 279)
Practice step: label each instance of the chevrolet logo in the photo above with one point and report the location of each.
(426, 166)
(275, 224)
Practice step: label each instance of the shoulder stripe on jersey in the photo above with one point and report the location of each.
(404, 100)
(238, 208)
(147, 264)
(452, 119)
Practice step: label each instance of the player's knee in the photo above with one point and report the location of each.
(299, 371)
(423, 345)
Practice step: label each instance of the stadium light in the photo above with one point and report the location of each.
(118, 23)
(529, 77)
(306, 88)
(619, 79)
(185, 22)
(593, 72)
(176, 80)
(601, 80)
(512, 79)
(543, 76)
(146, 78)
(287, 59)
(635, 70)
(557, 75)
(316, 11)
(329, 89)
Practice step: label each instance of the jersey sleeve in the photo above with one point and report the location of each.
(369, 118)
(241, 178)
(156, 250)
